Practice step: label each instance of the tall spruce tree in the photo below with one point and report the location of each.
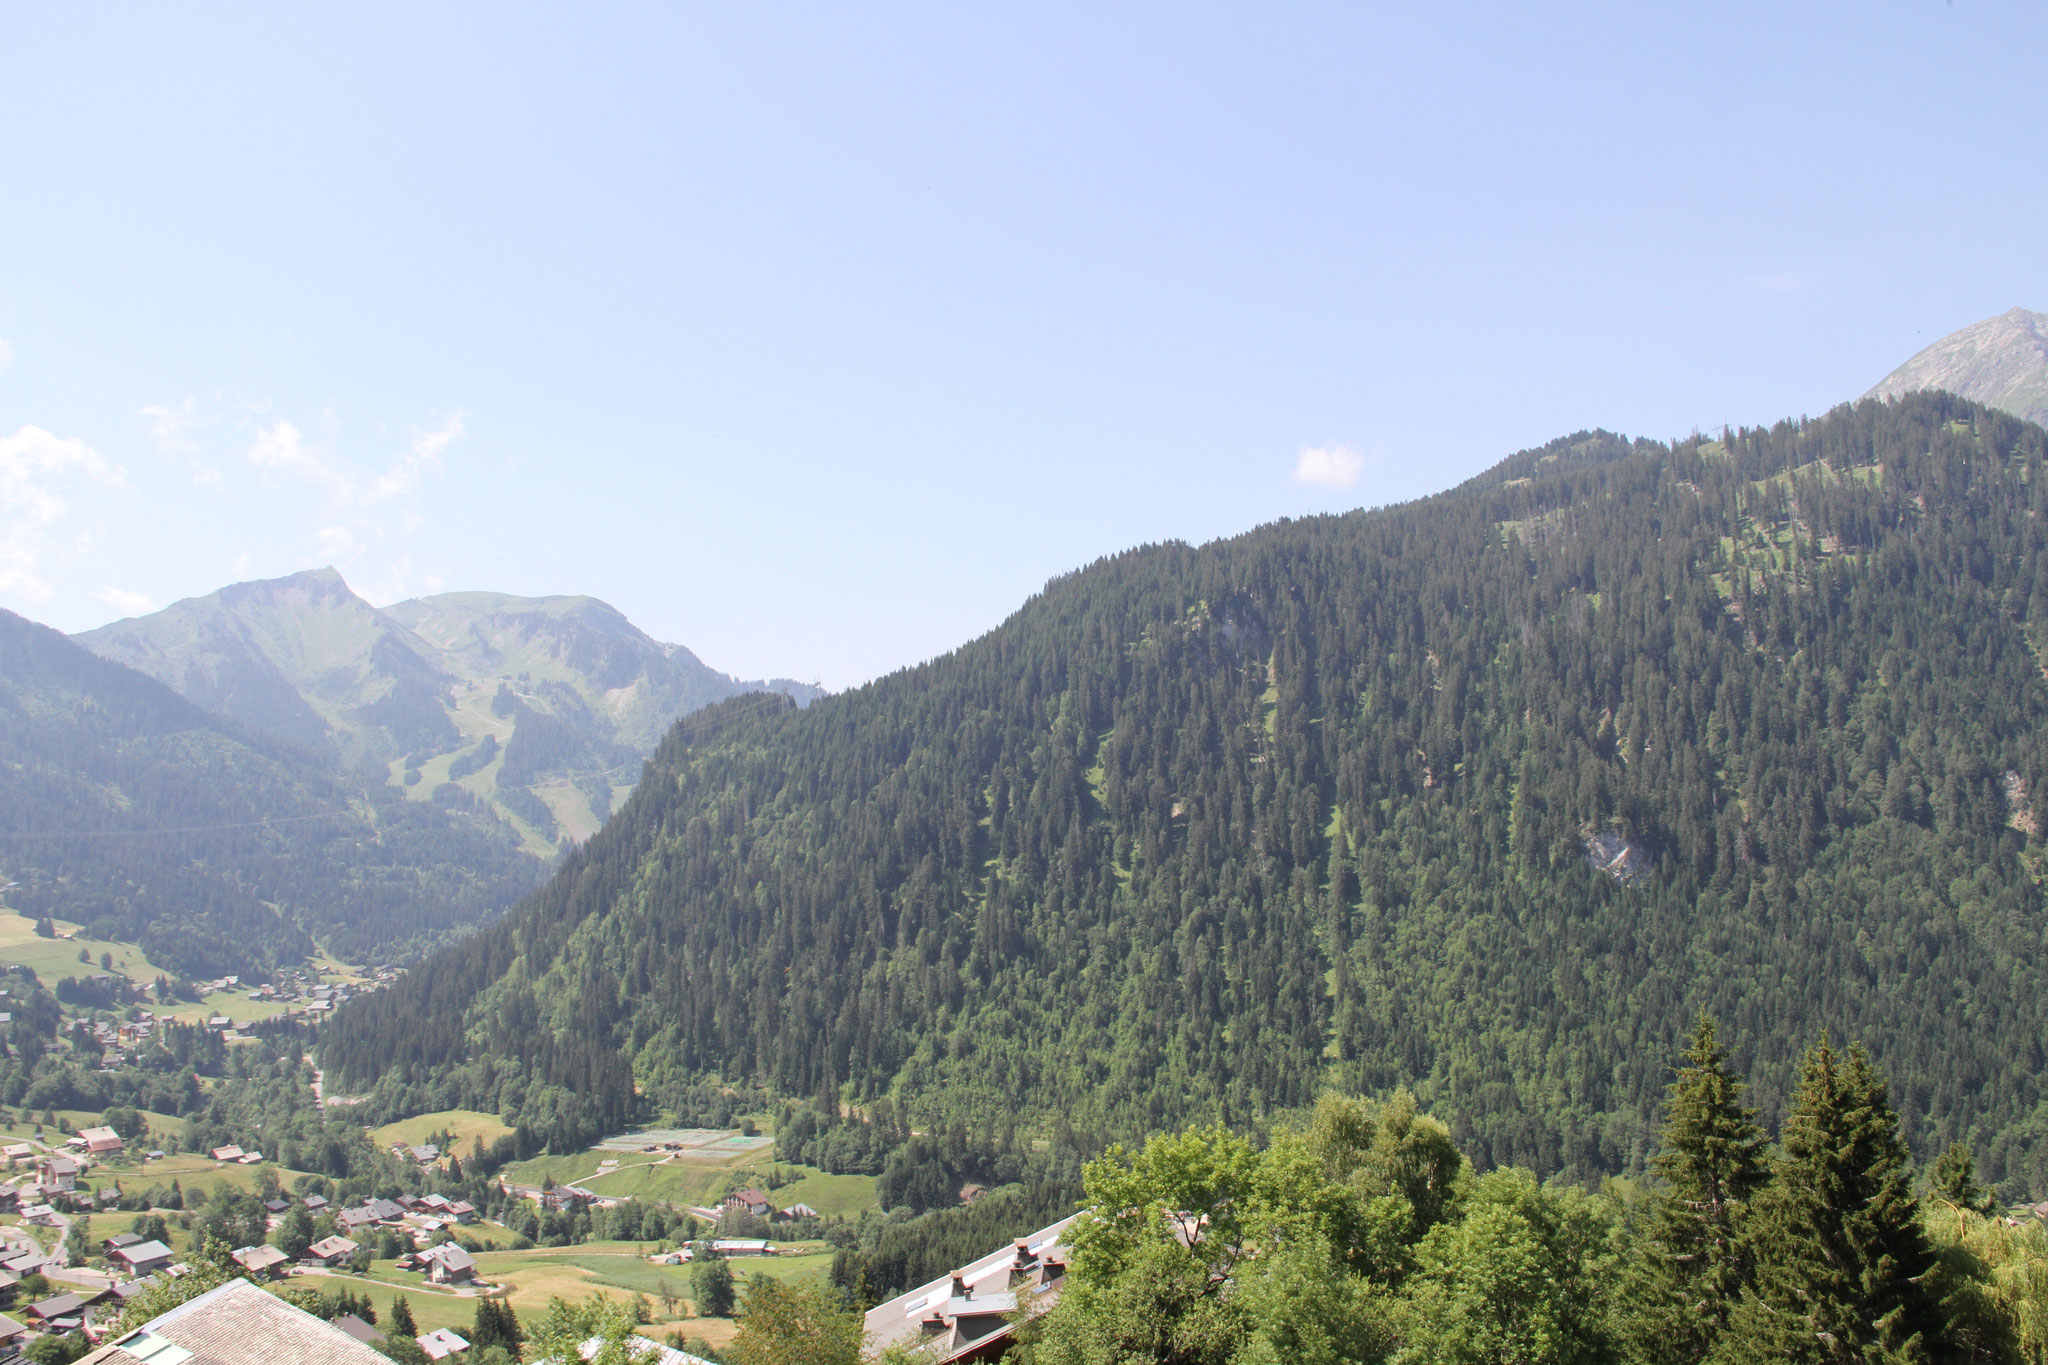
(1695, 1266)
(1842, 1266)
(1954, 1181)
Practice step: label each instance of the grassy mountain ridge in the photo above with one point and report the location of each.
(1202, 830)
(218, 848)
(540, 709)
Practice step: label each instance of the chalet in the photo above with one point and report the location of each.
(357, 1328)
(249, 1158)
(18, 1151)
(369, 1213)
(26, 1263)
(10, 1285)
(264, 1262)
(316, 1204)
(426, 1154)
(567, 1197)
(441, 1343)
(143, 1258)
(330, 1251)
(59, 1171)
(801, 1211)
(276, 1207)
(462, 1211)
(449, 1264)
(99, 1141)
(227, 1153)
(64, 1313)
(11, 1333)
(971, 1314)
(10, 1199)
(113, 1244)
(133, 1289)
(750, 1201)
(235, 1323)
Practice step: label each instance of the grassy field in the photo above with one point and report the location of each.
(835, 1196)
(642, 1175)
(466, 1124)
(533, 1277)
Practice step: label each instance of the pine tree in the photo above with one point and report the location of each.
(1954, 1181)
(1841, 1263)
(1712, 1164)
(401, 1318)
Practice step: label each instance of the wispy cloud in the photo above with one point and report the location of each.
(281, 448)
(337, 544)
(1329, 466)
(171, 428)
(122, 599)
(34, 465)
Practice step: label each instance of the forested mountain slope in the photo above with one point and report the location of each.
(539, 708)
(1200, 831)
(129, 809)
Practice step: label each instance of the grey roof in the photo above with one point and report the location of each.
(239, 1324)
(450, 1255)
(357, 1328)
(145, 1251)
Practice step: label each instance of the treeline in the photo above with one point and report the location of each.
(1202, 831)
(1366, 1236)
(137, 815)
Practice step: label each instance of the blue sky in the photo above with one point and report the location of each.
(818, 338)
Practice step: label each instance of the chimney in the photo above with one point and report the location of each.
(960, 1289)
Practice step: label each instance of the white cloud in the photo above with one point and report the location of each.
(171, 428)
(338, 544)
(33, 463)
(240, 564)
(281, 448)
(1330, 466)
(121, 599)
(421, 458)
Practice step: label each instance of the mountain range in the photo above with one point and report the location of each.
(1485, 795)
(215, 846)
(539, 708)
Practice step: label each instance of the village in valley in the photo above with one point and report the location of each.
(94, 1215)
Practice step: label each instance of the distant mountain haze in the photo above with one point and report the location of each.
(2001, 362)
(130, 810)
(541, 708)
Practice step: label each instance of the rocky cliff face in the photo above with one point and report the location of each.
(2001, 362)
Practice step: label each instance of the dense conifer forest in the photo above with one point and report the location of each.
(1486, 796)
(129, 810)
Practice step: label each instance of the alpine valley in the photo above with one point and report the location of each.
(1486, 795)
(242, 780)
